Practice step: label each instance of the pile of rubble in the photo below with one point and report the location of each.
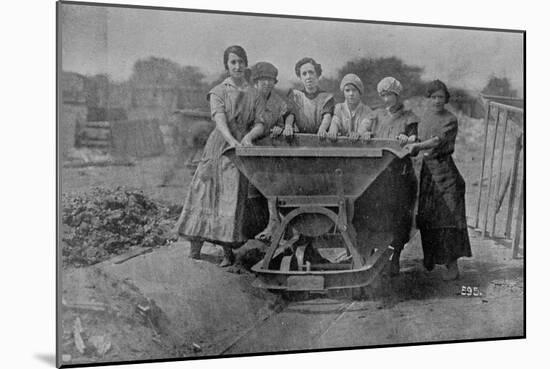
(109, 222)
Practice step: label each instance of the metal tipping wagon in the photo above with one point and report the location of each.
(315, 184)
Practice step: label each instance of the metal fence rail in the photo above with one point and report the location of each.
(496, 190)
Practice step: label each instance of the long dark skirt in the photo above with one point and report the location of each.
(443, 245)
(442, 212)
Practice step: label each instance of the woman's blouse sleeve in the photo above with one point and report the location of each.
(364, 125)
(217, 103)
(374, 122)
(328, 108)
(365, 121)
(336, 118)
(284, 111)
(447, 135)
(410, 127)
(291, 103)
(262, 115)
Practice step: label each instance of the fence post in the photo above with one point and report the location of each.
(513, 185)
(499, 174)
(487, 117)
(484, 231)
(519, 223)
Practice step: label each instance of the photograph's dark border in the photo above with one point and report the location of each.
(59, 362)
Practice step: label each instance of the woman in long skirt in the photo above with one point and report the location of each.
(214, 209)
(441, 214)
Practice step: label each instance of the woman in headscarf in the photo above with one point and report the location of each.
(441, 214)
(311, 107)
(215, 207)
(394, 122)
(351, 118)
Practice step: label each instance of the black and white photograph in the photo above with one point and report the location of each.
(238, 184)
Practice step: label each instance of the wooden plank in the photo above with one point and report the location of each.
(491, 175)
(478, 206)
(519, 223)
(502, 192)
(95, 143)
(132, 254)
(506, 107)
(499, 173)
(513, 186)
(97, 134)
(103, 125)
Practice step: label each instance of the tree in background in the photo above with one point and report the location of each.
(499, 87)
(372, 70)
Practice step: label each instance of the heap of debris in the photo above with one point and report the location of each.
(109, 222)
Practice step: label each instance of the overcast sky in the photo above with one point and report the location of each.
(97, 39)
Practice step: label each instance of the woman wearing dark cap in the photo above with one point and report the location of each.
(275, 112)
(214, 209)
(312, 108)
(275, 109)
(441, 214)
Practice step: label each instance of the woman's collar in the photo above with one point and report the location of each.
(312, 95)
(229, 81)
(396, 109)
(354, 111)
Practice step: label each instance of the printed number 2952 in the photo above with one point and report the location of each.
(470, 291)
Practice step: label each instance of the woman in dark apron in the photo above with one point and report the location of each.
(441, 216)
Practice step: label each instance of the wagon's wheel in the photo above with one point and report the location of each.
(346, 230)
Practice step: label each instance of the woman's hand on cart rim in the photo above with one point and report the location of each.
(288, 131)
(322, 134)
(246, 141)
(235, 143)
(354, 136)
(403, 139)
(366, 136)
(412, 148)
(332, 136)
(276, 131)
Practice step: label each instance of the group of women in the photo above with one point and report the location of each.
(219, 207)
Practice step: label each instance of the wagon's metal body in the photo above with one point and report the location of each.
(315, 184)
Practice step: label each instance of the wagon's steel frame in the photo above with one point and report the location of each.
(330, 279)
(338, 207)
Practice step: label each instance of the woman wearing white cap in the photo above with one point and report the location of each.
(351, 118)
(395, 122)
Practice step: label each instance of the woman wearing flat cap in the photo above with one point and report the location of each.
(351, 118)
(275, 112)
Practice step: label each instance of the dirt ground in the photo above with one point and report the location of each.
(139, 322)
